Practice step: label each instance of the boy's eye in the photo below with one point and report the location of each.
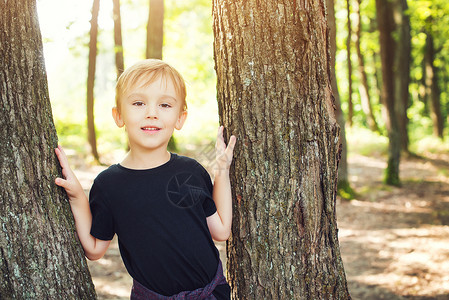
(138, 103)
(165, 105)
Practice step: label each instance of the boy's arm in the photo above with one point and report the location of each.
(220, 223)
(93, 247)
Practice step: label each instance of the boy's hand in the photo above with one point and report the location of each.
(70, 183)
(223, 154)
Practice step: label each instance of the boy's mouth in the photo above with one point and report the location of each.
(150, 128)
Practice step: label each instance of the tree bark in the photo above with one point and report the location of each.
(155, 29)
(363, 85)
(272, 61)
(155, 40)
(432, 88)
(389, 55)
(402, 71)
(343, 181)
(119, 61)
(91, 134)
(40, 256)
(349, 62)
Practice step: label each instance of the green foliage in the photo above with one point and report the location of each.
(425, 16)
(345, 191)
(429, 17)
(71, 133)
(188, 45)
(172, 145)
(365, 142)
(430, 144)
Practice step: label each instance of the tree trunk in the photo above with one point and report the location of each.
(377, 65)
(343, 181)
(91, 134)
(119, 61)
(155, 29)
(273, 80)
(363, 85)
(155, 39)
(348, 54)
(403, 71)
(432, 89)
(40, 257)
(388, 56)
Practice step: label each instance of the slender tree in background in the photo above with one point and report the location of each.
(274, 92)
(365, 98)
(389, 56)
(92, 137)
(155, 41)
(377, 62)
(349, 62)
(373, 60)
(118, 49)
(432, 91)
(40, 257)
(344, 188)
(155, 29)
(402, 70)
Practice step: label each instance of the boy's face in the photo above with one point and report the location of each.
(150, 114)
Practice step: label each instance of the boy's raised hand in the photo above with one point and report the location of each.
(70, 183)
(223, 153)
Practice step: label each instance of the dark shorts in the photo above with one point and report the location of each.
(217, 289)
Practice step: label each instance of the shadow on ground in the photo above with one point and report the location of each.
(394, 241)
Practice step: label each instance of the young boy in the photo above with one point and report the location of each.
(161, 205)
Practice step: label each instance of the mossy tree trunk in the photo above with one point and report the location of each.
(40, 256)
(272, 61)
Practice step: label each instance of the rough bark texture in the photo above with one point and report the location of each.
(389, 56)
(40, 257)
(92, 136)
(274, 93)
(119, 61)
(155, 29)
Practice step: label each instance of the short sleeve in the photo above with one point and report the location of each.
(102, 219)
(208, 204)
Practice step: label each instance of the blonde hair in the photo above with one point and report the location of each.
(146, 72)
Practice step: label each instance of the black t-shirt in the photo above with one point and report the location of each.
(159, 216)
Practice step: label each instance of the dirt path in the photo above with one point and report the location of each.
(394, 241)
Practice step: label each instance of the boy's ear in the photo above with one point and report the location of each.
(182, 118)
(117, 117)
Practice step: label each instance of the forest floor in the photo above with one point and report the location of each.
(394, 241)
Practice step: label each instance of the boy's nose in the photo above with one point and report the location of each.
(151, 112)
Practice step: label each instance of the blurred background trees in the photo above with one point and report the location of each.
(188, 45)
